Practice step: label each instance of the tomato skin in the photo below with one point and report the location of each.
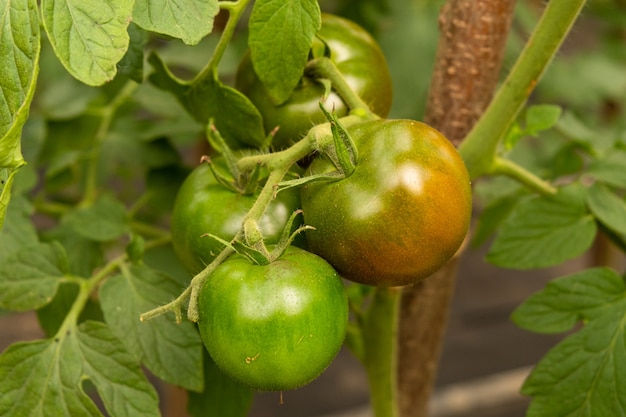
(205, 206)
(401, 215)
(273, 327)
(357, 56)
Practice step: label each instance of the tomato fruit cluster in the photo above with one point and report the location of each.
(203, 205)
(274, 327)
(359, 59)
(401, 215)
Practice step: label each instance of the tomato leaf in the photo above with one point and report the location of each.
(541, 117)
(221, 396)
(103, 221)
(170, 350)
(132, 62)
(46, 377)
(208, 98)
(493, 215)
(545, 231)
(89, 38)
(18, 231)
(608, 208)
(582, 375)
(610, 169)
(20, 46)
(565, 301)
(30, 277)
(278, 59)
(189, 20)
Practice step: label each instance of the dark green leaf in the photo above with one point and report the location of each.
(568, 300)
(89, 38)
(18, 231)
(189, 20)
(608, 208)
(170, 350)
(84, 255)
(132, 63)
(492, 217)
(279, 60)
(103, 221)
(234, 115)
(52, 315)
(585, 374)
(45, 378)
(545, 231)
(221, 396)
(29, 278)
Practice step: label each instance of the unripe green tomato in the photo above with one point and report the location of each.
(401, 215)
(203, 205)
(273, 327)
(359, 59)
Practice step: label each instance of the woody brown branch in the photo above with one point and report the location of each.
(471, 46)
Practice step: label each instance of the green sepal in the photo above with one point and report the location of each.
(287, 236)
(344, 154)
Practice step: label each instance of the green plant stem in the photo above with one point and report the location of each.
(479, 148)
(235, 10)
(509, 168)
(107, 115)
(379, 332)
(326, 68)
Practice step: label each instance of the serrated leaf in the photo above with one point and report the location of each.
(132, 62)
(20, 46)
(545, 231)
(29, 278)
(541, 117)
(570, 299)
(45, 378)
(89, 38)
(585, 375)
(170, 350)
(492, 216)
(608, 208)
(234, 115)
(279, 60)
(103, 221)
(189, 20)
(221, 396)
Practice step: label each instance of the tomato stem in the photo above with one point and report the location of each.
(325, 68)
(379, 332)
(479, 149)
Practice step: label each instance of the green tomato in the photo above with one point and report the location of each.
(204, 206)
(273, 327)
(357, 56)
(401, 215)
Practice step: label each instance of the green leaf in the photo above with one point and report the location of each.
(221, 396)
(53, 314)
(89, 38)
(18, 231)
(567, 300)
(492, 216)
(608, 208)
(84, 255)
(545, 231)
(279, 60)
(29, 278)
(234, 115)
(172, 351)
(541, 117)
(610, 169)
(20, 46)
(45, 378)
(585, 374)
(103, 221)
(132, 63)
(189, 20)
